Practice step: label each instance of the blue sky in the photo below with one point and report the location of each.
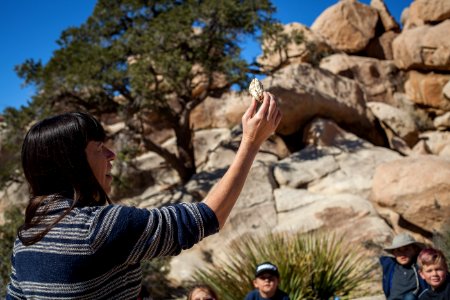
(30, 28)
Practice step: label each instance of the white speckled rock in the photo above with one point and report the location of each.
(256, 89)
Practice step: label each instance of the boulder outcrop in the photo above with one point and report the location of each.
(428, 89)
(347, 26)
(380, 79)
(305, 92)
(417, 188)
(425, 12)
(423, 48)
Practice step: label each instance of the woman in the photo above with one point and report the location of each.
(202, 292)
(73, 246)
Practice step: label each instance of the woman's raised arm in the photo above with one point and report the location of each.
(257, 126)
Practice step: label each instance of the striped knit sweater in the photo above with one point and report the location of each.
(95, 252)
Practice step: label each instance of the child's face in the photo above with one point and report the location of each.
(434, 274)
(267, 284)
(404, 255)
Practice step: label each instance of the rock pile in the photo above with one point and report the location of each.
(372, 118)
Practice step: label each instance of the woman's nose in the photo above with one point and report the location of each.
(111, 155)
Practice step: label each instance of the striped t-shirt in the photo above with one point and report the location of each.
(95, 252)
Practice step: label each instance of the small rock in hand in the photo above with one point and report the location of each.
(256, 89)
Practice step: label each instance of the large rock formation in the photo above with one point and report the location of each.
(428, 89)
(380, 79)
(417, 188)
(426, 12)
(423, 48)
(305, 92)
(347, 26)
(363, 148)
(338, 180)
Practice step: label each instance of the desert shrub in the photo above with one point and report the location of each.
(8, 231)
(316, 55)
(311, 266)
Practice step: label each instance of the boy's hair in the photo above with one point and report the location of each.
(431, 256)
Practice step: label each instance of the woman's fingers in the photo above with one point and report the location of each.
(272, 108)
(250, 112)
(264, 106)
(268, 108)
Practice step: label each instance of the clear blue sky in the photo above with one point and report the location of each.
(30, 28)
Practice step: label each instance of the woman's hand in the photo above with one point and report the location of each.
(258, 125)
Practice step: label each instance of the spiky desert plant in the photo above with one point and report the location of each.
(337, 267)
(311, 265)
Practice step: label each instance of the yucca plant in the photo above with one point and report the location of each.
(335, 266)
(311, 266)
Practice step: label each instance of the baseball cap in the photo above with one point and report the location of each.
(266, 267)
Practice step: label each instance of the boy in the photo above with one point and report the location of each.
(266, 282)
(400, 276)
(433, 269)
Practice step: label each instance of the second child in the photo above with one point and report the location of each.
(433, 269)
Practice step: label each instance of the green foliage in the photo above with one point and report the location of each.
(10, 147)
(16, 121)
(312, 266)
(8, 231)
(316, 54)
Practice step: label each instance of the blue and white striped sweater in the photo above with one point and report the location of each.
(95, 252)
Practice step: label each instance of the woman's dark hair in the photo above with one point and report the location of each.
(55, 165)
(202, 286)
